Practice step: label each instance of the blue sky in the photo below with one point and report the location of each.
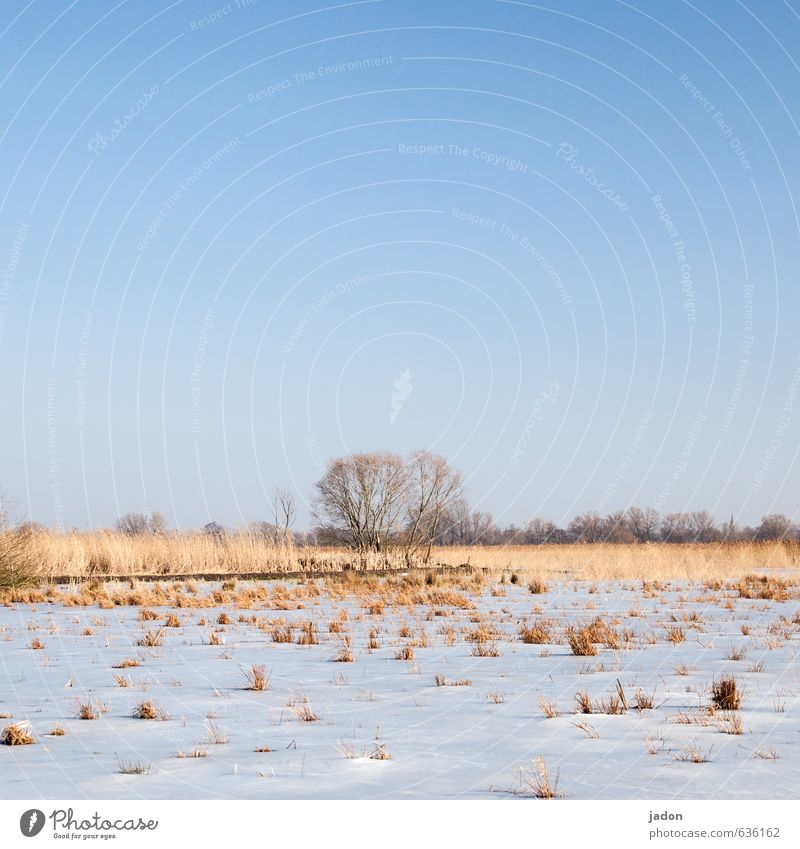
(568, 232)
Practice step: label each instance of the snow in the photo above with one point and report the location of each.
(443, 741)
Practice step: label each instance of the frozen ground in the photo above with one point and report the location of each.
(466, 741)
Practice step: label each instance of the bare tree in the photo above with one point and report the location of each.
(675, 528)
(361, 500)
(133, 524)
(283, 510)
(215, 530)
(432, 487)
(586, 528)
(614, 528)
(702, 527)
(643, 523)
(775, 526)
(540, 531)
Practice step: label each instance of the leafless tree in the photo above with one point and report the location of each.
(643, 523)
(433, 486)
(158, 524)
(702, 527)
(775, 526)
(361, 500)
(540, 531)
(588, 527)
(675, 528)
(142, 523)
(283, 510)
(614, 528)
(133, 524)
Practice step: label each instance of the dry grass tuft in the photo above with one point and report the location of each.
(281, 633)
(548, 707)
(152, 639)
(132, 767)
(216, 736)
(89, 710)
(304, 712)
(654, 743)
(484, 649)
(536, 633)
(580, 642)
(308, 634)
(730, 724)
(256, 677)
(379, 752)
(725, 694)
(590, 730)
(536, 782)
(18, 734)
(128, 663)
(149, 710)
(694, 754)
(345, 654)
(676, 634)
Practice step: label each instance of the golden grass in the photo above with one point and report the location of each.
(17, 735)
(536, 633)
(537, 783)
(149, 710)
(580, 642)
(725, 693)
(256, 677)
(548, 707)
(109, 553)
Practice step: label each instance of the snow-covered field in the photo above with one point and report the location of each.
(385, 727)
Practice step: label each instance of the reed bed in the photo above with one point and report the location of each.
(112, 554)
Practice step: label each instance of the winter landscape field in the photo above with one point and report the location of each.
(466, 684)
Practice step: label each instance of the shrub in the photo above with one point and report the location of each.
(18, 561)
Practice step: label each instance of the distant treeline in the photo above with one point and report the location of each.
(380, 501)
(461, 525)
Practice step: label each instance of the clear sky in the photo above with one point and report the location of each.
(557, 243)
